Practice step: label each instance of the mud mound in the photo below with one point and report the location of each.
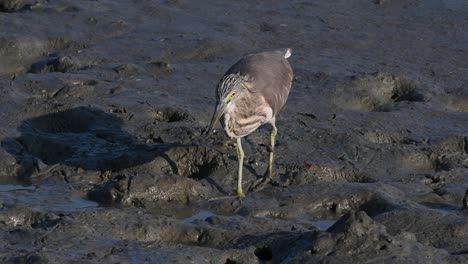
(436, 225)
(377, 92)
(55, 64)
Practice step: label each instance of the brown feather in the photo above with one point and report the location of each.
(269, 75)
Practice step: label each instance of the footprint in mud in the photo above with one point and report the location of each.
(171, 125)
(377, 92)
(170, 114)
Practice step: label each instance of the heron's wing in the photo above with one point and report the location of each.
(270, 75)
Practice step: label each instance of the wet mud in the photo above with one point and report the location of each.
(104, 104)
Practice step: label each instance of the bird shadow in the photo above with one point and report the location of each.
(81, 137)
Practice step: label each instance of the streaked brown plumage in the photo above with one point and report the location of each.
(251, 93)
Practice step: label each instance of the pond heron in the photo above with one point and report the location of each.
(250, 94)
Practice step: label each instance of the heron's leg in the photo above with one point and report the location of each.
(240, 157)
(266, 179)
(273, 134)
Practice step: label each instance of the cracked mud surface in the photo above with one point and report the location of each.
(103, 105)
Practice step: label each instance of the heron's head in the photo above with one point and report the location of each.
(228, 90)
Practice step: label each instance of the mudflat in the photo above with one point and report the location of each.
(103, 105)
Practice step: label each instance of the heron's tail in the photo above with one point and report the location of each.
(288, 52)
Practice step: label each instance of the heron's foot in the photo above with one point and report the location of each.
(240, 195)
(263, 182)
(225, 197)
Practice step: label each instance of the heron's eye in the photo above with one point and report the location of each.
(229, 97)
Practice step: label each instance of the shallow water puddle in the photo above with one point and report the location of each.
(47, 197)
(13, 187)
(200, 216)
(323, 225)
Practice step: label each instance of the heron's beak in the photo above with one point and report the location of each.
(220, 110)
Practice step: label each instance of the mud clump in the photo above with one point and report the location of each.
(159, 67)
(129, 70)
(58, 64)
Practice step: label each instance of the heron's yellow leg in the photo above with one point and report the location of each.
(240, 157)
(274, 131)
